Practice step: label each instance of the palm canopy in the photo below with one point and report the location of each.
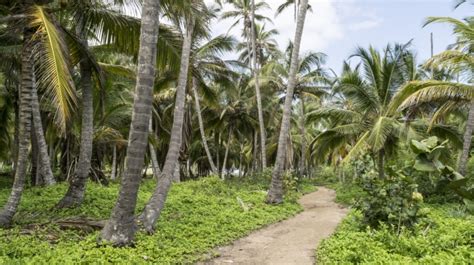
(362, 119)
(459, 59)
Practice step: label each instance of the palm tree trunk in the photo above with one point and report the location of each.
(261, 122)
(224, 164)
(46, 174)
(466, 147)
(9, 209)
(380, 165)
(153, 208)
(201, 128)
(77, 184)
(302, 164)
(120, 229)
(275, 194)
(177, 174)
(154, 160)
(113, 174)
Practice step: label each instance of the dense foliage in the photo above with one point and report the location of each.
(444, 238)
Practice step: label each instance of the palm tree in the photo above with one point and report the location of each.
(192, 21)
(40, 37)
(460, 60)
(275, 194)
(120, 229)
(206, 65)
(246, 11)
(365, 119)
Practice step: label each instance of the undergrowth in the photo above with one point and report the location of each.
(199, 215)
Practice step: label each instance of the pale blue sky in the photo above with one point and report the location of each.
(336, 27)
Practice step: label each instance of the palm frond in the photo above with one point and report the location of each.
(52, 65)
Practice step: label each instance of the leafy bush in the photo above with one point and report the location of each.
(444, 238)
(199, 215)
(393, 200)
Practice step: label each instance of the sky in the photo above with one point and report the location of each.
(337, 27)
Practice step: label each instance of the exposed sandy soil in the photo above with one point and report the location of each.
(292, 241)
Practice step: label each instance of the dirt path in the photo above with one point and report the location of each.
(291, 241)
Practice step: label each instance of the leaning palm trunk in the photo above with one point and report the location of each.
(466, 147)
(44, 163)
(226, 155)
(275, 194)
(201, 128)
(120, 229)
(302, 163)
(9, 209)
(261, 122)
(153, 208)
(77, 186)
(154, 160)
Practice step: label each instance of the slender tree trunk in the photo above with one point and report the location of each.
(275, 194)
(113, 174)
(218, 157)
(154, 160)
(34, 173)
(9, 209)
(256, 71)
(77, 184)
(44, 164)
(120, 229)
(177, 174)
(17, 129)
(466, 147)
(201, 128)
(224, 164)
(255, 152)
(302, 164)
(380, 165)
(153, 208)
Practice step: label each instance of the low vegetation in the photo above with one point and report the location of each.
(199, 215)
(433, 234)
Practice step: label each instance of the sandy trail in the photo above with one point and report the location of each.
(292, 241)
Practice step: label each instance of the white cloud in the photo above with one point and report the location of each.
(364, 25)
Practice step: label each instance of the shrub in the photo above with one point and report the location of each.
(392, 200)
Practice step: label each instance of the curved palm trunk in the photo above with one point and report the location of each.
(44, 162)
(77, 185)
(466, 147)
(154, 160)
(275, 194)
(261, 122)
(153, 208)
(9, 209)
(201, 129)
(302, 164)
(120, 229)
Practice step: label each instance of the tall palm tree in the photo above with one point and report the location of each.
(459, 59)
(206, 65)
(120, 229)
(191, 21)
(245, 10)
(365, 119)
(275, 194)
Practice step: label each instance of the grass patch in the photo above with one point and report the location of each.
(199, 215)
